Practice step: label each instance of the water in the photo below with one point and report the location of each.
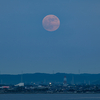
(49, 96)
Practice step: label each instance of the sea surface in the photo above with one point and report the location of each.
(49, 96)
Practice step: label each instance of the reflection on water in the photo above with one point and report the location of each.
(49, 96)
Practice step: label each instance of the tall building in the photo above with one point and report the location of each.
(65, 81)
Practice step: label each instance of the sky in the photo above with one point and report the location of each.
(25, 46)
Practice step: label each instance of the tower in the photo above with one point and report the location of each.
(65, 81)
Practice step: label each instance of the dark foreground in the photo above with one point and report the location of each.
(50, 97)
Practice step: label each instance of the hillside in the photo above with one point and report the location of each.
(55, 78)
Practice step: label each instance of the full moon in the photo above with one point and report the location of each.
(51, 22)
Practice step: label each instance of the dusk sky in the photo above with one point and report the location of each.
(26, 46)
